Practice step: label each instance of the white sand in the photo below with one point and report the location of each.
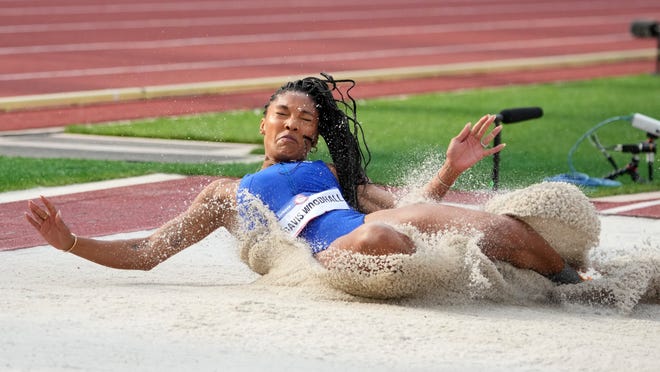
(205, 310)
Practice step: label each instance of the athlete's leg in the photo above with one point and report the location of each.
(373, 238)
(505, 238)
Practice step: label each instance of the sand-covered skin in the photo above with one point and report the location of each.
(449, 265)
(560, 212)
(204, 309)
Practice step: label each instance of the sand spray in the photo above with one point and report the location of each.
(449, 268)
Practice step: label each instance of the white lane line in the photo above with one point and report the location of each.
(130, 8)
(644, 196)
(312, 35)
(13, 196)
(273, 82)
(630, 207)
(144, 24)
(332, 57)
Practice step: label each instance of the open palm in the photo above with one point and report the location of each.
(470, 145)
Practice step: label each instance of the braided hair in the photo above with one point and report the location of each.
(339, 127)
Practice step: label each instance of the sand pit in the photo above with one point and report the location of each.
(204, 309)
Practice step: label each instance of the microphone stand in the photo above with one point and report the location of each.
(650, 156)
(647, 147)
(630, 168)
(496, 157)
(594, 140)
(509, 116)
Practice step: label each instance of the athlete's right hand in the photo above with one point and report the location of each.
(48, 221)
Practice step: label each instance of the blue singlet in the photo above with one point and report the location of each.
(283, 185)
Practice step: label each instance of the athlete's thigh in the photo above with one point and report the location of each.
(375, 238)
(430, 217)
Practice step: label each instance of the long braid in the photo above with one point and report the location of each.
(340, 129)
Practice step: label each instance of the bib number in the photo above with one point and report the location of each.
(303, 208)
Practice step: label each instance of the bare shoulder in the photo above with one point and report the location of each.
(215, 205)
(220, 190)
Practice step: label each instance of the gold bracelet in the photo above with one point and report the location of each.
(75, 242)
(442, 183)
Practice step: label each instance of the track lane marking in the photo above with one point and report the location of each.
(314, 58)
(461, 9)
(630, 207)
(309, 35)
(255, 84)
(13, 196)
(338, 16)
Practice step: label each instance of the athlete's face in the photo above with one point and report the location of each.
(290, 127)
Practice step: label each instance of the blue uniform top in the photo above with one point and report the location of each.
(281, 185)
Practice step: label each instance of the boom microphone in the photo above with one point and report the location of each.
(515, 115)
(507, 116)
(643, 28)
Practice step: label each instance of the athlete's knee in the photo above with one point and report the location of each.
(382, 239)
(501, 237)
(512, 240)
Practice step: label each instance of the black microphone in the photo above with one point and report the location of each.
(515, 115)
(643, 28)
(507, 116)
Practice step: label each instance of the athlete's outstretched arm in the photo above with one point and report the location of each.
(465, 150)
(213, 208)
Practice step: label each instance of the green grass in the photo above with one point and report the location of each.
(24, 173)
(405, 132)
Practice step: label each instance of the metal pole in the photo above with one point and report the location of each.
(657, 58)
(496, 159)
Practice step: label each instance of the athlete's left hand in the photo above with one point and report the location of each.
(471, 144)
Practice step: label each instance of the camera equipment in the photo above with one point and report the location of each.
(647, 124)
(648, 147)
(643, 28)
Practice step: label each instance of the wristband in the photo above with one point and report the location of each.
(75, 242)
(440, 181)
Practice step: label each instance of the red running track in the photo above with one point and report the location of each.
(81, 45)
(84, 45)
(69, 45)
(113, 210)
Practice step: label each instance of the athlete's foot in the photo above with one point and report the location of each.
(567, 275)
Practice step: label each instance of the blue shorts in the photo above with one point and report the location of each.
(326, 228)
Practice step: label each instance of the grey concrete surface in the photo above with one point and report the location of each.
(57, 144)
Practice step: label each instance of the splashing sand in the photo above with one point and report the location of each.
(204, 308)
(449, 268)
